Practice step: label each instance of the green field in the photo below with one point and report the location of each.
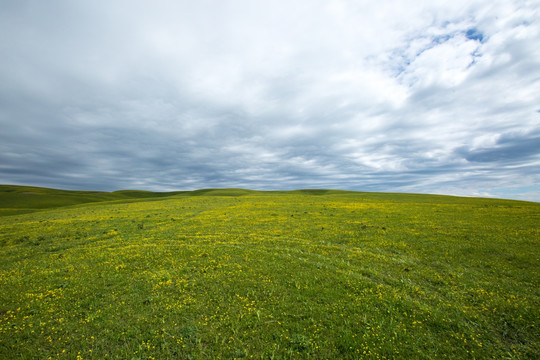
(230, 273)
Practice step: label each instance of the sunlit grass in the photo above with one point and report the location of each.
(241, 274)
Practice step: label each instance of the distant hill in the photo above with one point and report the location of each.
(15, 199)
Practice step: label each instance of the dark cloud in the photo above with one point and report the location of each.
(510, 148)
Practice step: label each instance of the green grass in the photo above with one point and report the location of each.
(232, 273)
(24, 199)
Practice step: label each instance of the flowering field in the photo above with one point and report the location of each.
(223, 274)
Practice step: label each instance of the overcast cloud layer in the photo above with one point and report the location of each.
(398, 96)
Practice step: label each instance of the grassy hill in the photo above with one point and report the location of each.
(15, 199)
(24, 199)
(232, 273)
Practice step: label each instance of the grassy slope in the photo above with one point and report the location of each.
(229, 273)
(24, 199)
(16, 199)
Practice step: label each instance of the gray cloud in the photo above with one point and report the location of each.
(513, 149)
(438, 97)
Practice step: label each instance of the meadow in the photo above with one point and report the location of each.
(239, 274)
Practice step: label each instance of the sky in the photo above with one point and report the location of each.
(391, 96)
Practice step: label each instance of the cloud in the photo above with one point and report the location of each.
(394, 96)
(507, 152)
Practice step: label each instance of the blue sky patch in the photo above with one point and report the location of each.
(474, 34)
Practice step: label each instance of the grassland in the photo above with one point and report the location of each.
(223, 274)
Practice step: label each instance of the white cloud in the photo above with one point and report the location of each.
(444, 65)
